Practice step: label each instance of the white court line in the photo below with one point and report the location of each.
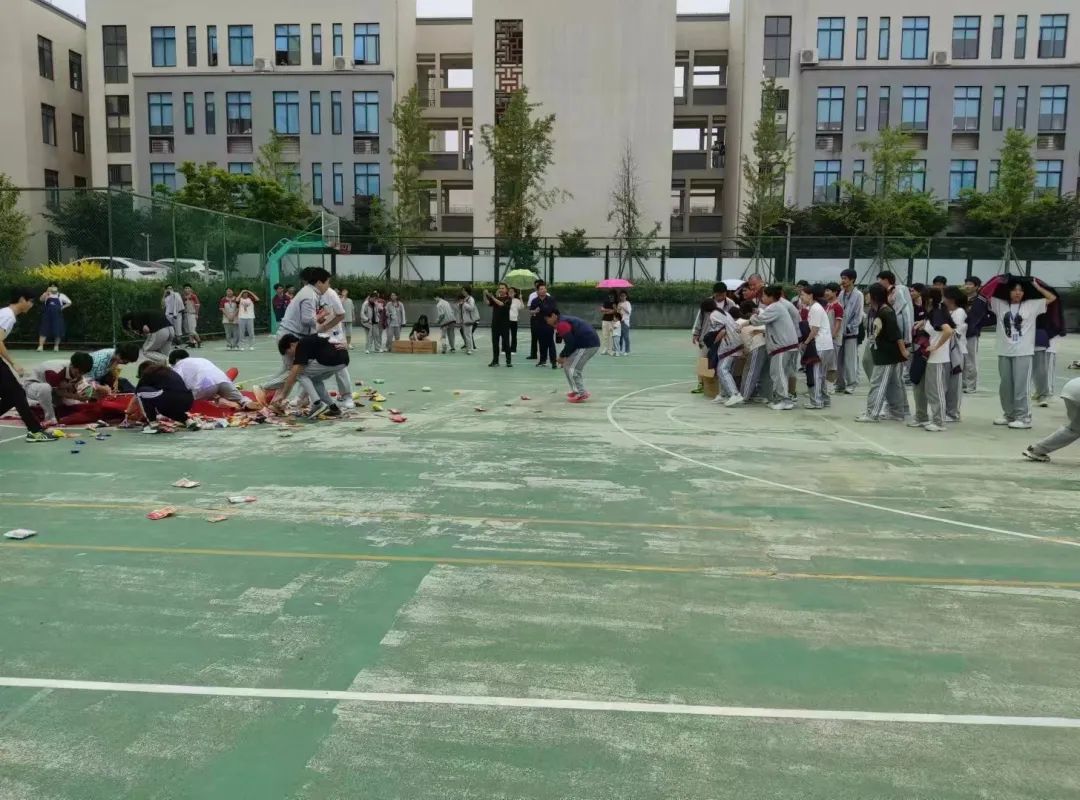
(673, 709)
(726, 434)
(809, 492)
(877, 446)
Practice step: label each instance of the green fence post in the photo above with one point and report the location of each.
(607, 261)
(224, 252)
(663, 263)
(442, 263)
(112, 290)
(175, 255)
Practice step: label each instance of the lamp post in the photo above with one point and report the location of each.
(787, 248)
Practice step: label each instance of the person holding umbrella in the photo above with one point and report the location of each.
(1017, 302)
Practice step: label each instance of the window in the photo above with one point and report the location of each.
(339, 185)
(883, 38)
(961, 176)
(241, 168)
(75, 76)
(120, 177)
(161, 115)
(114, 55)
(995, 170)
(1048, 177)
(189, 113)
(1021, 108)
(80, 182)
(966, 102)
(192, 46)
(52, 189)
(913, 179)
(965, 37)
(1020, 46)
(365, 112)
(163, 174)
(210, 112)
(860, 37)
(241, 45)
(117, 123)
(830, 38)
(211, 46)
(45, 57)
(826, 181)
(335, 113)
(48, 124)
(708, 75)
(1052, 104)
(78, 133)
(915, 38)
(1052, 30)
(860, 108)
(163, 46)
(830, 108)
(858, 174)
(914, 107)
(316, 44)
(777, 47)
(287, 45)
(238, 113)
(287, 112)
(366, 180)
(339, 40)
(997, 37)
(316, 113)
(366, 43)
(680, 82)
(316, 184)
(883, 108)
(997, 116)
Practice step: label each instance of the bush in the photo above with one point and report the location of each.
(63, 274)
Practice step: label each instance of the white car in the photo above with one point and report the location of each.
(131, 269)
(192, 265)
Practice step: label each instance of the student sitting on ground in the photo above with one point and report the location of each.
(57, 382)
(105, 368)
(312, 359)
(421, 330)
(156, 330)
(161, 392)
(207, 382)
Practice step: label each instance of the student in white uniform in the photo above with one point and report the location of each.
(205, 380)
(930, 391)
(1016, 348)
(332, 327)
(817, 318)
(956, 304)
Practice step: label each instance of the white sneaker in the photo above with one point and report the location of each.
(777, 406)
(346, 404)
(719, 400)
(930, 426)
(865, 418)
(735, 400)
(252, 349)
(1019, 425)
(1002, 421)
(787, 405)
(916, 424)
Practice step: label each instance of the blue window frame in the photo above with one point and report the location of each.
(163, 46)
(335, 113)
(965, 37)
(1053, 29)
(962, 175)
(161, 113)
(914, 178)
(861, 25)
(914, 107)
(830, 38)
(316, 184)
(163, 174)
(287, 45)
(827, 181)
(830, 108)
(287, 113)
(316, 113)
(883, 38)
(1048, 177)
(366, 180)
(967, 101)
(339, 185)
(189, 113)
(211, 46)
(915, 38)
(366, 43)
(365, 112)
(241, 45)
(238, 113)
(1053, 106)
(241, 168)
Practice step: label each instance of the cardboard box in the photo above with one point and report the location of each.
(711, 387)
(703, 370)
(401, 346)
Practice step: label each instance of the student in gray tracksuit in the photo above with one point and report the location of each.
(780, 319)
(467, 317)
(173, 304)
(445, 322)
(847, 362)
(395, 319)
(900, 300)
(369, 322)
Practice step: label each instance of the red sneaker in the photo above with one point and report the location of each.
(571, 394)
(579, 398)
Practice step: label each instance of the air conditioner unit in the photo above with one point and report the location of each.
(263, 65)
(340, 63)
(808, 58)
(940, 58)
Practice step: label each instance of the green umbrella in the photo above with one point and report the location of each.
(521, 278)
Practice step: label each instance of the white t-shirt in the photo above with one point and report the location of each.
(1016, 325)
(941, 355)
(7, 320)
(200, 374)
(1053, 346)
(752, 335)
(959, 323)
(247, 308)
(626, 310)
(818, 318)
(330, 300)
(515, 308)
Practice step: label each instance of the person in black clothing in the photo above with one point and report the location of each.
(421, 330)
(161, 391)
(535, 322)
(313, 359)
(500, 323)
(541, 308)
(156, 330)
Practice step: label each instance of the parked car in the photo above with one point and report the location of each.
(131, 269)
(193, 265)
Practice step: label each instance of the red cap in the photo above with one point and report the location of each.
(562, 328)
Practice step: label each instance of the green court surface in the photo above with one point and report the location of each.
(647, 596)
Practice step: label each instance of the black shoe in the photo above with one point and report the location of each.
(554, 366)
(508, 363)
(334, 411)
(541, 364)
(493, 364)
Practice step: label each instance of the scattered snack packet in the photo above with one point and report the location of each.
(162, 513)
(378, 380)
(481, 409)
(186, 483)
(19, 534)
(425, 389)
(525, 397)
(394, 411)
(398, 418)
(240, 499)
(218, 518)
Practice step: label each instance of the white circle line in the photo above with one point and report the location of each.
(809, 492)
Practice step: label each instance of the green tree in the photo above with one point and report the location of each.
(573, 243)
(270, 164)
(521, 149)
(256, 197)
(14, 225)
(398, 225)
(633, 241)
(765, 170)
(84, 220)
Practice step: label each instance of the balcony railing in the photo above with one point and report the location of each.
(682, 160)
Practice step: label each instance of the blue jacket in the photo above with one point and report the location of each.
(582, 336)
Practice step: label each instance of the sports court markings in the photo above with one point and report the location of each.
(809, 492)
(671, 709)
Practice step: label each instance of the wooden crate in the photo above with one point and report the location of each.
(401, 346)
(428, 346)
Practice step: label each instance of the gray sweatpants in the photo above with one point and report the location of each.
(819, 397)
(728, 387)
(783, 366)
(930, 395)
(869, 366)
(971, 365)
(1044, 365)
(177, 322)
(313, 381)
(574, 366)
(468, 337)
(448, 339)
(847, 365)
(374, 339)
(887, 390)
(953, 394)
(158, 345)
(41, 393)
(393, 333)
(232, 334)
(1015, 372)
(226, 391)
(751, 373)
(1063, 436)
(247, 332)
